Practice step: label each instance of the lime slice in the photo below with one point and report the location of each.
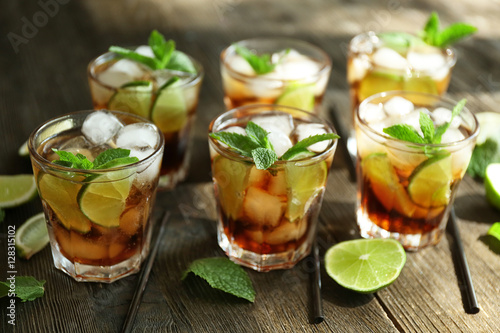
(60, 195)
(134, 97)
(170, 110)
(365, 265)
(489, 122)
(305, 183)
(385, 184)
(492, 184)
(16, 190)
(23, 150)
(430, 182)
(103, 199)
(32, 236)
(298, 96)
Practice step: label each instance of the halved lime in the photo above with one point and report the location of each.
(365, 265)
(169, 109)
(32, 236)
(492, 184)
(60, 195)
(16, 190)
(429, 184)
(298, 96)
(103, 199)
(489, 123)
(134, 97)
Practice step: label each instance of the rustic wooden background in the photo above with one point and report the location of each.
(45, 48)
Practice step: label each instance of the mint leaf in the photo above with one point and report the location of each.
(483, 155)
(431, 29)
(70, 160)
(132, 55)
(427, 127)
(261, 64)
(264, 158)
(110, 158)
(241, 143)
(161, 48)
(110, 155)
(301, 146)
(223, 274)
(258, 134)
(440, 130)
(433, 35)
(404, 132)
(27, 288)
(181, 62)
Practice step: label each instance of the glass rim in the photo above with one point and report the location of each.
(67, 116)
(367, 128)
(326, 62)
(270, 108)
(108, 56)
(451, 55)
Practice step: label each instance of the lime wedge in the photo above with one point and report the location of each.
(365, 265)
(305, 183)
(489, 122)
(298, 96)
(16, 190)
(133, 97)
(23, 150)
(60, 195)
(103, 199)
(492, 184)
(32, 236)
(170, 110)
(430, 182)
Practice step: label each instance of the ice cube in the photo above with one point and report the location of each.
(265, 87)
(262, 208)
(283, 123)
(293, 66)
(235, 129)
(413, 119)
(145, 51)
(161, 76)
(121, 72)
(240, 65)
(148, 171)
(372, 112)
(389, 58)
(443, 115)
(286, 232)
(138, 135)
(79, 145)
(452, 135)
(306, 130)
(358, 68)
(100, 126)
(427, 62)
(398, 106)
(280, 141)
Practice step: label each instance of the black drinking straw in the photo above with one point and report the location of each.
(143, 278)
(317, 304)
(462, 265)
(344, 136)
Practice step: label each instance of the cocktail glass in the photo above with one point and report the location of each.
(298, 80)
(124, 85)
(98, 219)
(267, 218)
(406, 190)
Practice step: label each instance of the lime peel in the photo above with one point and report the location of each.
(492, 184)
(32, 236)
(16, 190)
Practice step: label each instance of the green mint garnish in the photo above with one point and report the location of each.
(483, 155)
(107, 159)
(433, 35)
(257, 145)
(27, 288)
(223, 274)
(165, 55)
(431, 134)
(261, 64)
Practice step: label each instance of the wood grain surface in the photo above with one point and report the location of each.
(43, 74)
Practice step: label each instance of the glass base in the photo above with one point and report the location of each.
(89, 273)
(262, 262)
(411, 242)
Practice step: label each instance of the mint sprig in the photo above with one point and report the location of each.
(107, 159)
(262, 64)
(27, 288)
(165, 55)
(431, 134)
(257, 145)
(223, 274)
(433, 35)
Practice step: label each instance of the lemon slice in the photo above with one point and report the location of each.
(365, 265)
(60, 195)
(103, 199)
(170, 110)
(16, 190)
(492, 184)
(298, 96)
(32, 236)
(429, 184)
(133, 97)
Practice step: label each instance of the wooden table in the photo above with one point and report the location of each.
(43, 70)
